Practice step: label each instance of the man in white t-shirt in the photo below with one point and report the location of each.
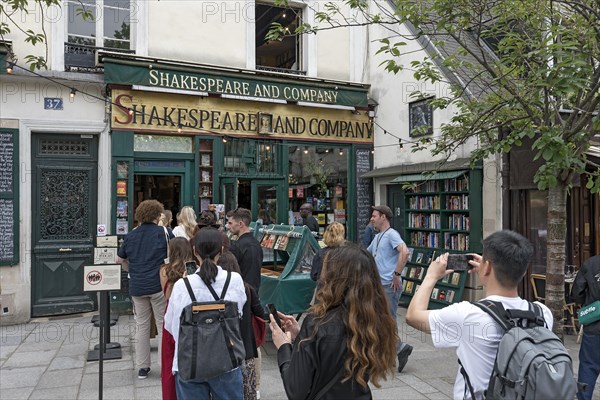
(476, 336)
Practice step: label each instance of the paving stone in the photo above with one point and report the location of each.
(109, 392)
(6, 351)
(29, 358)
(16, 393)
(55, 379)
(111, 365)
(148, 393)
(20, 377)
(394, 394)
(75, 349)
(112, 378)
(68, 362)
(58, 393)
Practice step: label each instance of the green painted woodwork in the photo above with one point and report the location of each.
(439, 216)
(290, 288)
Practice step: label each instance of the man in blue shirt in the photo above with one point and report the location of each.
(145, 250)
(390, 253)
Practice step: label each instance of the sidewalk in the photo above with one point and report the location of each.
(47, 359)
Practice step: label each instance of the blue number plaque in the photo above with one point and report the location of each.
(53, 103)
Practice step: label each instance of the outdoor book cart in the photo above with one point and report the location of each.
(288, 253)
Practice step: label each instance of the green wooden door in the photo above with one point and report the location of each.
(64, 198)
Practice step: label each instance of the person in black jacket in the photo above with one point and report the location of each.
(348, 337)
(586, 290)
(246, 248)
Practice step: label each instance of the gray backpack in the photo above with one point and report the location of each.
(531, 362)
(210, 342)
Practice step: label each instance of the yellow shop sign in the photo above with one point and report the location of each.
(170, 113)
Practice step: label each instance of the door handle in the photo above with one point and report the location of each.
(64, 250)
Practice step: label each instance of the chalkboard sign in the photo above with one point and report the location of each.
(6, 230)
(7, 150)
(364, 191)
(9, 191)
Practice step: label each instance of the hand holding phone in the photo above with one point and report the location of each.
(459, 262)
(190, 267)
(273, 311)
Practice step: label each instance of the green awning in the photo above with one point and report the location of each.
(428, 177)
(131, 69)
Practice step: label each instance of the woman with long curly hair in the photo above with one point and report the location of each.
(186, 220)
(348, 337)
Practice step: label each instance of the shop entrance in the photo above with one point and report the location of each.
(262, 197)
(164, 188)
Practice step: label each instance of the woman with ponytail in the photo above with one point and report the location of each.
(208, 244)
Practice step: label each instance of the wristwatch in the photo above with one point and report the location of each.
(397, 273)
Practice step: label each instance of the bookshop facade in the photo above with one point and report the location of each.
(268, 143)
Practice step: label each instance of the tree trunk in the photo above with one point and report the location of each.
(555, 270)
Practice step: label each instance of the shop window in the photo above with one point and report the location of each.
(278, 55)
(250, 157)
(93, 24)
(319, 176)
(163, 144)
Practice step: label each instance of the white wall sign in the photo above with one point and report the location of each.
(106, 241)
(105, 255)
(98, 278)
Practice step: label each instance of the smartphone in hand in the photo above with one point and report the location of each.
(190, 267)
(273, 311)
(459, 262)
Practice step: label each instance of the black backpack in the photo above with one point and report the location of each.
(210, 342)
(531, 362)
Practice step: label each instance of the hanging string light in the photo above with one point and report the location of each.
(73, 93)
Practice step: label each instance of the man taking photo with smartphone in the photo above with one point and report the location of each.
(390, 253)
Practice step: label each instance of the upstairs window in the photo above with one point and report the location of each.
(107, 25)
(278, 55)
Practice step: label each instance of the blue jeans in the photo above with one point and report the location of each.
(393, 298)
(589, 364)
(227, 386)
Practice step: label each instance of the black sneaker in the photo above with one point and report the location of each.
(405, 351)
(143, 373)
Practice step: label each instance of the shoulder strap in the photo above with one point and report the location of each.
(496, 310)
(167, 238)
(225, 287)
(332, 382)
(467, 381)
(189, 289)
